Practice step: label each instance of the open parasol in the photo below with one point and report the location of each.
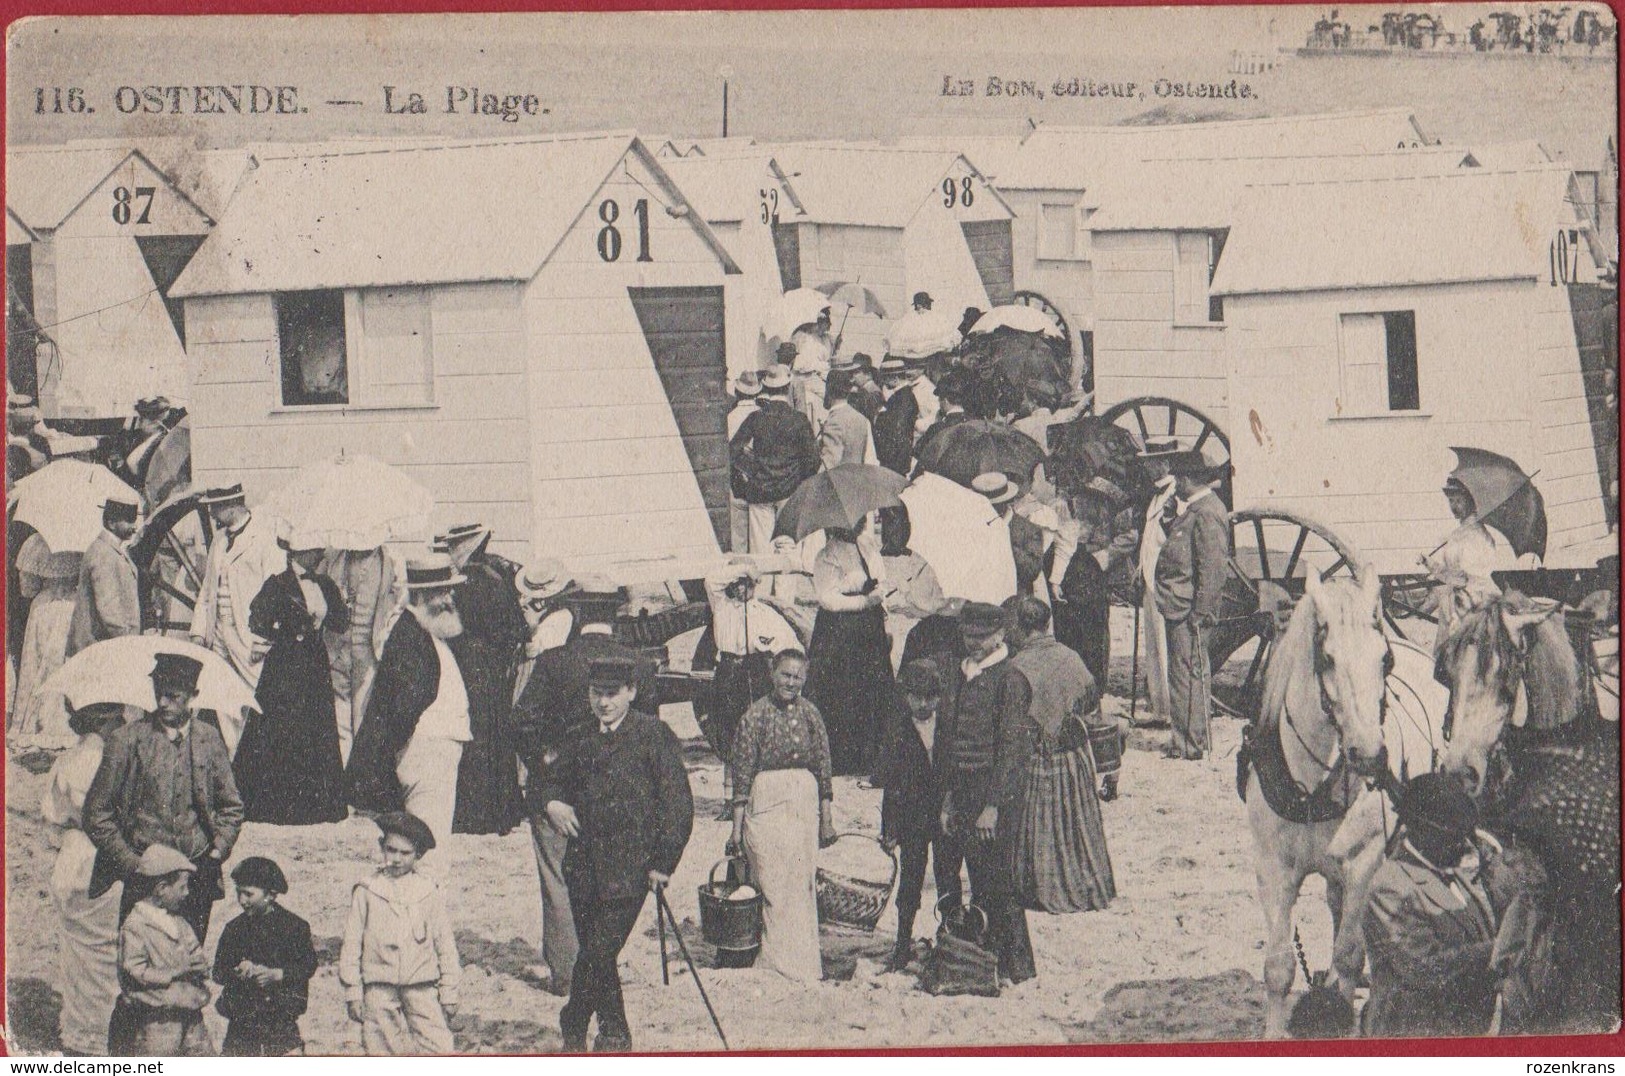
(977, 446)
(63, 501)
(1504, 497)
(120, 671)
(352, 502)
(795, 308)
(838, 497)
(1018, 318)
(919, 334)
(857, 298)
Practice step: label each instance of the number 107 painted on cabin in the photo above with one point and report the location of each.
(466, 100)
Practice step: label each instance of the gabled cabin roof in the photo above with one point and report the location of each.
(1186, 193)
(724, 189)
(17, 233)
(45, 185)
(991, 154)
(877, 186)
(1073, 158)
(381, 215)
(1461, 226)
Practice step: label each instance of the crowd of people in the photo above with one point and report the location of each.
(458, 692)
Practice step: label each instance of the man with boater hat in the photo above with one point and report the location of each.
(773, 453)
(411, 739)
(899, 412)
(1191, 573)
(488, 798)
(746, 388)
(620, 793)
(242, 556)
(109, 602)
(165, 779)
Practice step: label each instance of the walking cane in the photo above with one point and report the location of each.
(660, 921)
(662, 913)
(1134, 668)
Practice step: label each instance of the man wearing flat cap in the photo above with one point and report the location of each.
(991, 743)
(411, 738)
(109, 602)
(488, 799)
(242, 556)
(773, 453)
(165, 780)
(1191, 573)
(1429, 925)
(619, 792)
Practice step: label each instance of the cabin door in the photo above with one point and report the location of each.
(990, 249)
(684, 330)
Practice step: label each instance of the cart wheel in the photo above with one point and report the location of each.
(1047, 308)
(1274, 550)
(170, 557)
(1157, 418)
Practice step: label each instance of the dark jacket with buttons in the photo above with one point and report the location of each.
(992, 741)
(630, 792)
(914, 782)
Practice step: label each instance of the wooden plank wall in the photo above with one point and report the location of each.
(1569, 479)
(470, 447)
(849, 252)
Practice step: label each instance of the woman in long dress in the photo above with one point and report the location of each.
(50, 581)
(287, 765)
(87, 945)
(782, 796)
(851, 678)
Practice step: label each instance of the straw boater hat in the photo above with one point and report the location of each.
(433, 571)
(541, 580)
(995, 486)
(221, 495)
(152, 406)
(408, 825)
(891, 367)
(1158, 450)
(457, 535)
(160, 861)
(748, 384)
(776, 381)
(175, 670)
(739, 571)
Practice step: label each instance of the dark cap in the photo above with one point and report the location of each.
(261, 873)
(176, 670)
(455, 535)
(982, 618)
(613, 671)
(922, 298)
(152, 406)
(118, 510)
(1193, 464)
(1437, 802)
(920, 678)
(408, 825)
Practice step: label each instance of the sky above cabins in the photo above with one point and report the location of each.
(845, 75)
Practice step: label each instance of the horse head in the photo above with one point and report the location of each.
(1507, 662)
(1336, 634)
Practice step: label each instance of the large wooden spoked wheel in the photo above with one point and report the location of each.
(169, 557)
(1274, 551)
(1048, 309)
(1158, 418)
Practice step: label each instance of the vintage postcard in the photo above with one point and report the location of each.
(811, 530)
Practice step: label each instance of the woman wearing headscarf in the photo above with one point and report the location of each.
(851, 677)
(87, 940)
(782, 796)
(288, 766)
(50, 582)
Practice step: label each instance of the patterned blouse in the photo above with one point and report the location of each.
(772, 736)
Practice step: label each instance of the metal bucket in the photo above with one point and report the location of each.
(1106, 743)
(731, 925)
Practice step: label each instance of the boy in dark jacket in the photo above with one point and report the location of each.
(620, 793)
(913, 777)
(264, 960)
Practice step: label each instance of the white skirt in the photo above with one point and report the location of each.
(781, 843)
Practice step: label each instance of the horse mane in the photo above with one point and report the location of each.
(1548, 667)
(1341, 604)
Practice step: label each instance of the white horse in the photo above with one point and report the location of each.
(1321, 740)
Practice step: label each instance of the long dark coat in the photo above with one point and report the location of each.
(630, 792)
(405, 684)
(488, 798)
(264, 1020)
(553, 705)
(894, 430)
(913, 783)
(288, 767)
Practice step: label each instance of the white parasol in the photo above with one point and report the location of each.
(962, 537)
(120, 671)
(919, 334)
(352, 502)
(63, 501)
(1023, 319)
(796, 308)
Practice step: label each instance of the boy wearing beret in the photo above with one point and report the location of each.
(264, 960)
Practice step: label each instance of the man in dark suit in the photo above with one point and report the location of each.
(1191, 573)
(165, 779)
(894, 425)
(620, 793)
(953, 387)
(914, 774)
(773, 453)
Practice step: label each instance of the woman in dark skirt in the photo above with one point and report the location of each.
(851, 677)
(264, 960)
(287, 766)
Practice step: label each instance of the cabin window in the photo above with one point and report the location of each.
(1197, 261)
(1057, 232)
(393, 352)
(311, 340)
(1379, 363)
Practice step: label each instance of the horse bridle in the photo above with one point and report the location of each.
(1326, 708)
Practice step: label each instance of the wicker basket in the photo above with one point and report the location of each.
(853, 904)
